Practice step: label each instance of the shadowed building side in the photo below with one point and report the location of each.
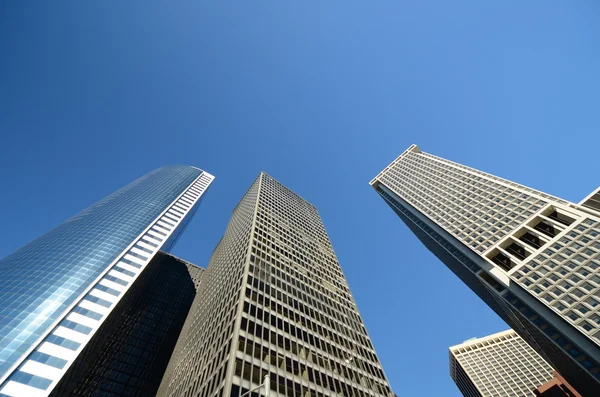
(131, 350)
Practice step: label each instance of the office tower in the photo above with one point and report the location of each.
(532, 257)
(129, 353)
(498, 365)
(56, 291)
(274, 301)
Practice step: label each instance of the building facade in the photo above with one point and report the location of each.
(532, 257)
(498, 365)
(274, 301)
(57, 291)
(129, 353)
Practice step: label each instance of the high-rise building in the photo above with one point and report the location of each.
(129, 353)
(532, 257)
(274, 301)
(58, 290)
(498, 365)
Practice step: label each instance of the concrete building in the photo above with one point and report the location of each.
(498, 365)
(274, 302)
(57, 291)
(532, 257)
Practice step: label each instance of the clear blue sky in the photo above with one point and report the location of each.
(321, 95)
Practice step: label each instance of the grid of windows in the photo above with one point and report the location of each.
(566, 276)
(539, 253)
(295, 318)
(546, 339)
(477, 208)
(562, 344)
(94, 285)
(129, 353)
(499, 365)
(201, 358)
(40, 280)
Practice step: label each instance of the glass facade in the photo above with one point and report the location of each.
(130, 352)
(41, 280)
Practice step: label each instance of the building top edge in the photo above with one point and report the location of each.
(181, 259)
(589, 196)
(414, 148)
(263, 173)
(203, 171)
(482, 339)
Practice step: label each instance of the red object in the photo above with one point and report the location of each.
(556, 387)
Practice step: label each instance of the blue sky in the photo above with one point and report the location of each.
(322, 96)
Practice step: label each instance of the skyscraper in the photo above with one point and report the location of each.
(532, 257)
(498, 365)
(274, 301)
(56, 291)
(129, 353)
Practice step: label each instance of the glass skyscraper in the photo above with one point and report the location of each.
(532, 257)
(129, 353)
(274, 301)
(56, 291)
